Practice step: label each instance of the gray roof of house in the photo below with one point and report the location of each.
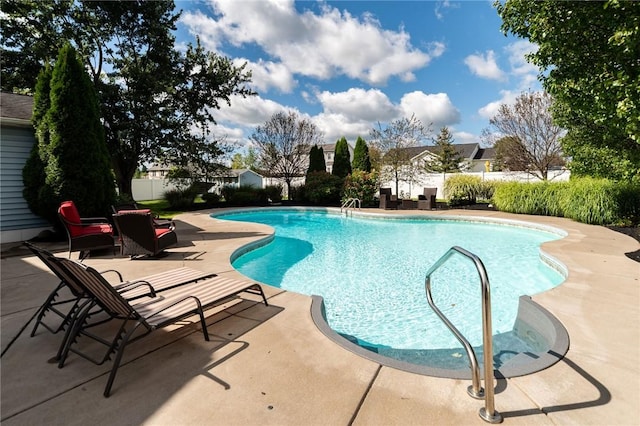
(466, 150)
(18, 107)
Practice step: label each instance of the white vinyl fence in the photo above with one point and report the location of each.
(153, 189)
(436, 180)
(150, 189)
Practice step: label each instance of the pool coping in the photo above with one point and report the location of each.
(531, 316)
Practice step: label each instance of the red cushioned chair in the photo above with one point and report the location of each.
(85, 233)
(139, 236)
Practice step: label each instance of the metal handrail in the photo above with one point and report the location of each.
(350, 204)
(488, 413)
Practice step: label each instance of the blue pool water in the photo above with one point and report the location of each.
(371, 273)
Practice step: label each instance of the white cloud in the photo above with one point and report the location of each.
(491, 109)
(317, 45)
(517, 52)
(267, 74)
(248, 112)
(370, 105)
(465, 137)
(441, 6)
(485, 66)
(436, 109)
(335, 126)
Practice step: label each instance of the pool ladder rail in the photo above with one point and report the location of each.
(487, 413)
(351, 203)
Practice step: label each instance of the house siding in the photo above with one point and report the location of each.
(17, 222)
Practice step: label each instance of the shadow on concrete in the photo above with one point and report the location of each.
(603, 398)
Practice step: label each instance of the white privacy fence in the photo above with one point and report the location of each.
(150, 189)
(436, 180)
(153, 189)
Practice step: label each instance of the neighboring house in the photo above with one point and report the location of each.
(17, 136)
(158, 171)
(474, 158)
(330, 153)
(237, 178)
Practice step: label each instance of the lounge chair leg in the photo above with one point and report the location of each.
(71, 333)
(204, 326)
(116, 362)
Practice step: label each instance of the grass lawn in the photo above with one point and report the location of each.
(161, 208)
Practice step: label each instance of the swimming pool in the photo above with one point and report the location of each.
(370, 273)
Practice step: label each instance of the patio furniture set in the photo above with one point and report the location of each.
(141, 305)
(426, 201)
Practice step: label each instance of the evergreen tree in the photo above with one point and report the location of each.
(361, 160)
(77, 161)
(341, 160)
(33, 175)
(316, 160)
(446, 158)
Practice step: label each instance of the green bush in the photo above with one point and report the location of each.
(462, 189)
(245, 196)
(180, 199)
(601, 201)
(362, 185)
(322, 189)
(274, 193)
(211, 198)
(587, 200)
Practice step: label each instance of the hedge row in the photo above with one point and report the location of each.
(587, 200)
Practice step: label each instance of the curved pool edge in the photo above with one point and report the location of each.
(529, 312)
(532, 319)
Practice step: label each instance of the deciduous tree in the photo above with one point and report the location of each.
(283, 144)
(534, 143)
(157, 101)
(588, 58)
(392, 141)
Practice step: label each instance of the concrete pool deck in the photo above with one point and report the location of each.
(272, 366)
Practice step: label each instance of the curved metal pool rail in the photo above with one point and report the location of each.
(488, 413)
(351, 203)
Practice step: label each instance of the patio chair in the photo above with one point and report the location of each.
(157, 222)
(85, 233)
(150, 313)
(387, 199)
(137, 288)
(139, 236)
(427, 200)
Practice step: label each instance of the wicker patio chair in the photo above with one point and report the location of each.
(139, 236)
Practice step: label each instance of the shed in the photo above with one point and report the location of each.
(237, 178)
(17, 136)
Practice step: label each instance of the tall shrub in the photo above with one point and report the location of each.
(361, 159)
(341, 161)
(33, 173)
(316, 160)
(77, 161)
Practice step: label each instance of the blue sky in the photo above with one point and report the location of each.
(348, 65)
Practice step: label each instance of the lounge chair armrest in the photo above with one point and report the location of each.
(124, 288)
(114, 271)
